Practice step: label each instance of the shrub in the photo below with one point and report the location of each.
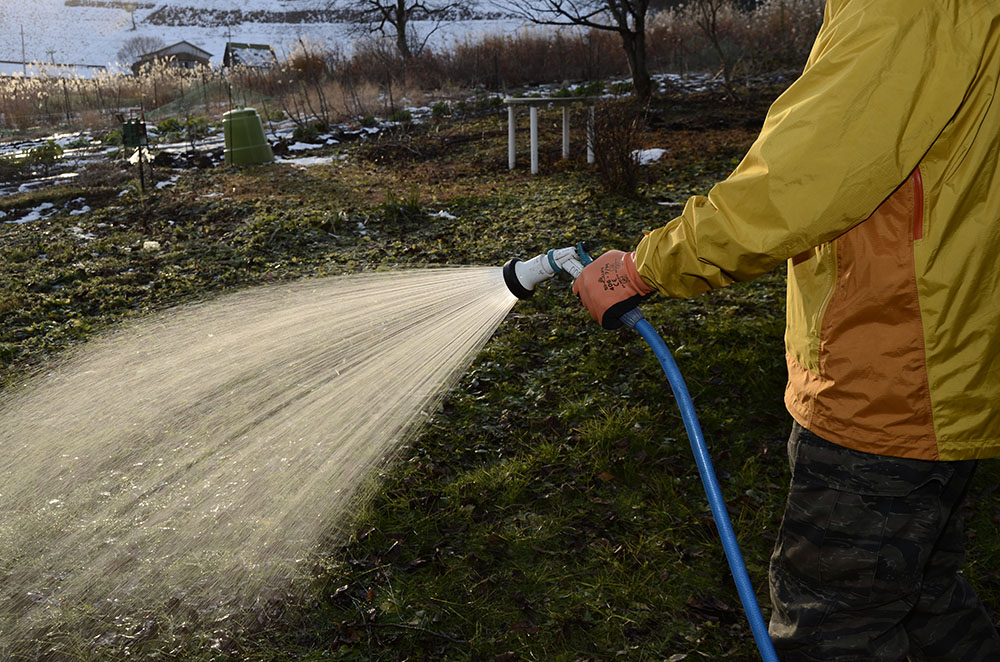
(195, 128)
(271, 113)
(104, 174)
(11, 169)
(616, 140)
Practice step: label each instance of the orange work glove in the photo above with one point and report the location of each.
(610, 286)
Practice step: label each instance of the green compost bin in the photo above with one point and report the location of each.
(245, 141)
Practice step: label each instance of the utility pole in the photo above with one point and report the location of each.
(24, 60)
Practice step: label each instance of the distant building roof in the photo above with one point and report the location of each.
(249, 55)
(180, 48)
(183, 54)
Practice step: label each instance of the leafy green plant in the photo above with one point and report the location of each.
(79, 143)
(272, 113)
(490, 103)
(310, 133)
(305, 133)
(401, 116)
(402, 210)
(621, 88)
(591, 89)
(44, 156)
(112, 137)
(170, 125)
(440, 110)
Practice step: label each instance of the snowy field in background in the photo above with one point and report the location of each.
(54, 32)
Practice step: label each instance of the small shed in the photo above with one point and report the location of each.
(260, 56)
(183, 54)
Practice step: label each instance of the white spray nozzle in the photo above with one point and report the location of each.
(522, 276)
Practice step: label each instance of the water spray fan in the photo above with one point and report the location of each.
(521, 278)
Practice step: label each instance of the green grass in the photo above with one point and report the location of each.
(551, 509)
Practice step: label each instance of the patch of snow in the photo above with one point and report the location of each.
(167, 182)
(298, 147)
(66, 139)
(42, 181)
(647, 156)
(304, 161)
(443, 214)
(78, 231)
(83, 207)
(35, 214)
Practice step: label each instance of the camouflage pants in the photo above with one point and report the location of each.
(867, 565)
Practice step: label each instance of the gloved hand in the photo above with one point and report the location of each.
(610, 286)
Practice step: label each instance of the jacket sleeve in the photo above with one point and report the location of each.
(882, 81)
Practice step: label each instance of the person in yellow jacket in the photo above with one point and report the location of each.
(876, 178)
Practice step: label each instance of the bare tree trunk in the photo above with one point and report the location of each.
(401, 23)
(635, 52)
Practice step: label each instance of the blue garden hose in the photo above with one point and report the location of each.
(521, 277)
(634, 319)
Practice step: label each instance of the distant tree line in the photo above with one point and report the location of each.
(628, 19)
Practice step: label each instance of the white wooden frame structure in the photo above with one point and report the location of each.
(534, 103)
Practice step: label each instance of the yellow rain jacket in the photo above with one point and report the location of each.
(876, 178)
